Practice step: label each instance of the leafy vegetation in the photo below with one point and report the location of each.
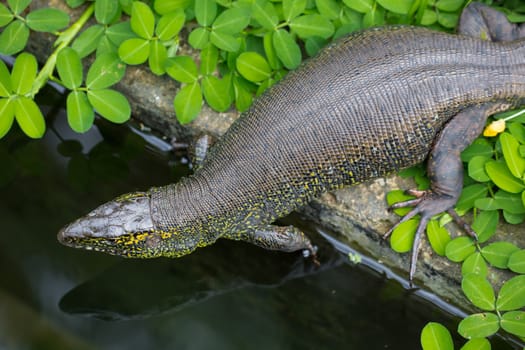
(243, 47)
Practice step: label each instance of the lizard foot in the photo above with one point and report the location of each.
(427, 204)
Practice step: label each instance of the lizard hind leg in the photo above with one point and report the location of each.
(484, 22)
(445, 170)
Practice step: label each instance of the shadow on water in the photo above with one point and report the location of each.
(170, 285)
(227, 296)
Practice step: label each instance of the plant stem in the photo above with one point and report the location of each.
(63, 40)
(515, 115)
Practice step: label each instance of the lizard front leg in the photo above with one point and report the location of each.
(281, 238)
(445, 170)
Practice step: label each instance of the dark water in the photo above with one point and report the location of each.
(228, 296)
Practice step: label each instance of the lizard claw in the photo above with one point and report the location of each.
(426, 204)
(311, 252)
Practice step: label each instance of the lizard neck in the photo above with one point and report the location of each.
(188, 207)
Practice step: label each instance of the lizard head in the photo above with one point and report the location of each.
(124, 227)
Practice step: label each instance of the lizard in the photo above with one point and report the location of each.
(371, 103)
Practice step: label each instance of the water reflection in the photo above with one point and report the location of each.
(170, 285)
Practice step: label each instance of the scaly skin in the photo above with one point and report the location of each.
(367, 105)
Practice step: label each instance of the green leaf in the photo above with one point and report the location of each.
(474, 264)
(243, 97)
(449, 5)
(329, 9)
(263, 86)
(476, 344)
(231, 21)
(134, 51)
(469, 195)
(517, 130)
(435, 336)
(460, 248)
(429, 17)
(514, 323)
(5, 15)
(513, 219)
(363, 6)
(224, 41)
(500, 174)
(512, 294)
(253, 66)
(110, 104)
(209, 58)
(75, 3)
(479, 291)
(476, 168)
(216, 92)
(142, 20)
(14, 37)
(88, 40)
(376, 17)
(448, 20)
(397, 196)
(498, 253)
(510, 146)
(270, 53)
(69, 68)
(401, 7)
(205, 12)
(199, 38)
(438, 237)
(119, 32)
(105, 71)
(286, 49)
(510, 202)
(6, 86)
(479, 325)
(402, 237)
(312, 25)
(516, 261)
(486, 204)
(106, 10)
(162, 6)
(293, 8)
(47, 20)
(24, 73)
(157, 57)
(314, 44)
(265, 14)
(29, 117)
(182, 68)
(105, 46)
(18, 6)
(188, 103)
(170, 25)
(80, 114)
(7, 115)
(480, 147)
(485, 225)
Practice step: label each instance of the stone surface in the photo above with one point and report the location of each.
(358, 214)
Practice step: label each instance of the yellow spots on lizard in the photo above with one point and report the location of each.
(165, 235)
(132, 239)
(128, 196)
